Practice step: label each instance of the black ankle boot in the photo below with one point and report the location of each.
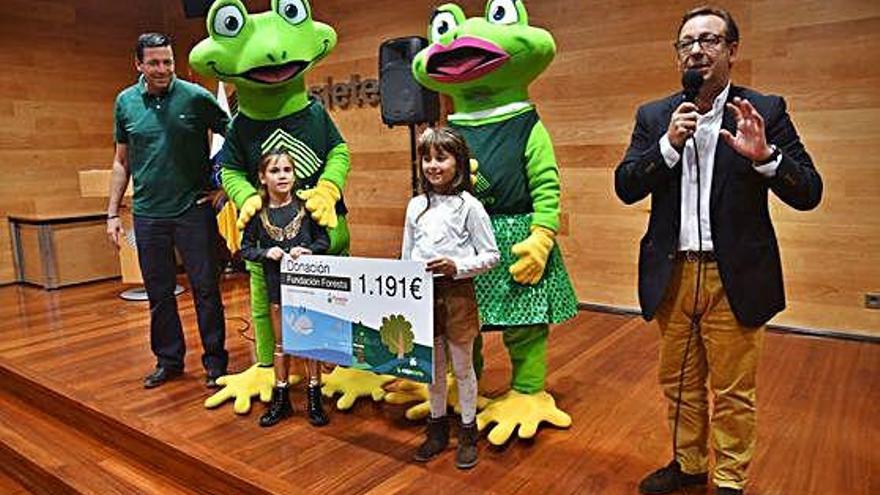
(437, 433)
(317, 417)
(279, 408)
(466, 454)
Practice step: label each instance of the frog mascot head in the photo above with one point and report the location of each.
(485, 64)
(267, 56)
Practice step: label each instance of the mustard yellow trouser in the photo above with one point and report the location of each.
(722, 351)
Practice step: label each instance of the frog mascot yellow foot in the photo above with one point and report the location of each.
(256, 381)
(523, 411)
(353, 384)
(406, 391)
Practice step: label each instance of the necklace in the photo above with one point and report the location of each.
(287, 232)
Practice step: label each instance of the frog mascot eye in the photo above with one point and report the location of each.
(293, 11)
(443, 23)
(502, 12)
(228, 20)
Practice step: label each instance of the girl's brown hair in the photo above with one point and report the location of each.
(270, 158)
(450, 142)
(444, 139)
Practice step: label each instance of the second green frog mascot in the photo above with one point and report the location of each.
(485, 64)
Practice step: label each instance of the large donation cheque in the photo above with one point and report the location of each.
(365, 313)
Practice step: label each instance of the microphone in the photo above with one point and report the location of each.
(691, 81)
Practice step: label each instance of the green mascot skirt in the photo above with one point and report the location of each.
(504, 302)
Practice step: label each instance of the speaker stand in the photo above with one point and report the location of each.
(413, 159)
(140, 293)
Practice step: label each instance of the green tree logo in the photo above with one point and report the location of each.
(397, 335)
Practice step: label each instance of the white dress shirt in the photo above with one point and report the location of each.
(706, 137)
(455, 226)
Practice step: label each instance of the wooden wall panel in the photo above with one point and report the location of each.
(64, 62)
(824, 57)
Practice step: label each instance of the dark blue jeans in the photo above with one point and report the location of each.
(194, 233)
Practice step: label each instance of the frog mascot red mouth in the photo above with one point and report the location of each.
(465, 59)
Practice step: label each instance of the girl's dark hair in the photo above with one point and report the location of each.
(270, 158)
(446, 140)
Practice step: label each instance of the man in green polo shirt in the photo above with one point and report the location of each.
(161, 135)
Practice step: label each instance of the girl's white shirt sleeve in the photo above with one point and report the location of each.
(485, 250)
(408, 231)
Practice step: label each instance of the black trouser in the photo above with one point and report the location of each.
(194, 233)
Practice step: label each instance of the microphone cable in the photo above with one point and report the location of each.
(694, 318)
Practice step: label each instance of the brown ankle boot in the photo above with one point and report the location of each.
(437, 438)
(466, 454)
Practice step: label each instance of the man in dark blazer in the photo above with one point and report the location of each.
(709, 267)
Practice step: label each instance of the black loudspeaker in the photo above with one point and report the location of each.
(404, 101)
(196, 8)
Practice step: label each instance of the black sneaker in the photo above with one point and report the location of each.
(160, 376)
(670, 479)
(723, 490)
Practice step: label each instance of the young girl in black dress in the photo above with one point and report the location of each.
(283, 226)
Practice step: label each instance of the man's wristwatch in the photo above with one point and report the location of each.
(773, 156)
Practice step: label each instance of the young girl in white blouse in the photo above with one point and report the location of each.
(448, 228)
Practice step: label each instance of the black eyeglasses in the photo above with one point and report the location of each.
(707, 41)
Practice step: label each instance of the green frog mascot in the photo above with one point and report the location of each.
(266, 57)
(485, 64)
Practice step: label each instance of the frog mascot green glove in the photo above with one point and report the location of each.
(266, 57)
(485, 64)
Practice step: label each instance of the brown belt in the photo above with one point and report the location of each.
(694, 256)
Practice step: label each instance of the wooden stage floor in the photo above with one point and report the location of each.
(818, 401)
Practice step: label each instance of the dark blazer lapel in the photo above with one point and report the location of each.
(724, 154)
